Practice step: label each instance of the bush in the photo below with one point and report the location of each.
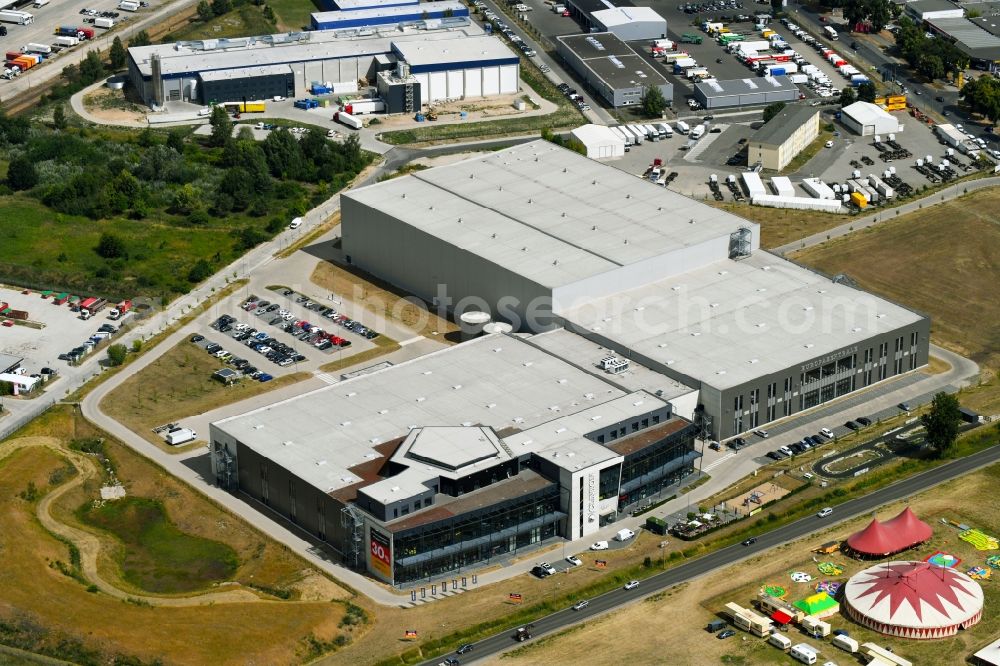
(117, 354)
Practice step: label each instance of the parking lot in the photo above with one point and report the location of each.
(66, 13)
(280, 332)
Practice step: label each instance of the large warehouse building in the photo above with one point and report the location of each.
(631, 24)
(542, 237)
(783, 137)
(719, 94)
(453, 50)
(610, 66)
(450, 460)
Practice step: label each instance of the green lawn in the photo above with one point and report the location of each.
(241, 22)
(294, 14)
(56, 251)
(157, 556)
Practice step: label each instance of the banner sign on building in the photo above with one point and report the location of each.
(380, 554)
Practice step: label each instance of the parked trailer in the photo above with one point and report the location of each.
(347, 119)
(624, 136)
(363, 106)
(675, 56)
(105, 23)
(14, 16)
(665, 130)
(880, 186)
(682, 127)
(36, 48)
(127, 6)
(818, 188)
(64, 40)
(637, 136)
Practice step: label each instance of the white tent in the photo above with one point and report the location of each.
(600, 141)
(866, 119)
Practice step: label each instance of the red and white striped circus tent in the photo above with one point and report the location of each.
(913, 600)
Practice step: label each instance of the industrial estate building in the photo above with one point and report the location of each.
(718, 94)
(866, 119)
(455, 458)
(542, 237)
(783, 137)
(631, 24)
(451, 58)
(978, 38)
(650, 318)
(382, 15)
(610, 66)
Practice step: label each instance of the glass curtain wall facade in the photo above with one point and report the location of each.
(477, 536)
(657, 466)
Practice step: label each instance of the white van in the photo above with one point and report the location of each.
(624, 535)
(296, 223)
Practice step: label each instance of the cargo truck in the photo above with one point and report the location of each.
(120, 310)
(347, 119)
(697, 132)
(14, 16)
(691, 38)
(36, 48)
(91, 306)
(105, 23)
(179, 436)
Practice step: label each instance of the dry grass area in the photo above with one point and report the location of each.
(60, 616)
(936, 366)
(780, 226)
(179, 384)
(944, 261)
(382, 299)
(113, 106)
(383, 346)
(687, 608)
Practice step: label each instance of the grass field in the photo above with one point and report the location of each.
(157, 556)
(240, 22)
(179, 384)
(41, 609)
(780, 226)
(43, 248)
(944, 261)
(293, 15)
(687, 608)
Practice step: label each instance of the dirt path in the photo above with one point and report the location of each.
(90, 546)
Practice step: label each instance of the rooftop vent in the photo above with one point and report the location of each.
(427, 372)
(809, 345)
(560, 430)
(383, 411)
(753, 360)
(320, 463)
(352, 394)
(287, 442)
(491, 405)
(421, 399)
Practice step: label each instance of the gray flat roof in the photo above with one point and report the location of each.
(733, 321)
(496, 381)
(203, 56)
(778, 129)
(470, 49)
(587, 354)
(245, 72)
(349, 5)
(368, 13)
(921, 6)
(625, 15)
(7, 361)
(970, 37)
(548, 213)
(613, 61)
(751, 84)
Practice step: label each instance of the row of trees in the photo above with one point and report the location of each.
(933, 57)
(983, 96)
(869, 15)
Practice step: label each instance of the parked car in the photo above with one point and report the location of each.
(905, 406)
(600, 545)
(197, 338)
(864, 420)
(760, 432)
(574, 560)
(726, 633)
(826, 432)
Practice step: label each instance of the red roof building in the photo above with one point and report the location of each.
(893, 536)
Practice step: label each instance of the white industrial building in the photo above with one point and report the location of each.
(601, 142)
(451, 58)
(866, 119)
(631, 24)
(542, 237)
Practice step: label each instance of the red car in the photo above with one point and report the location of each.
(8, 323)
(566, 13)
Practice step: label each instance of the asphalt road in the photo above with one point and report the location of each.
(727, 556)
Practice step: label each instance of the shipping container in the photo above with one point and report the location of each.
(363, 106)
(32, 47)
(859, 200)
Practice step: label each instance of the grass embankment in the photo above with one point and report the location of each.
(566, 116)
(381, 298)
(293, 15)
(383, 346)
(950, 270)
(46, 608)
(157, 556)
(808, 152)
(179, 384)
(779, 226)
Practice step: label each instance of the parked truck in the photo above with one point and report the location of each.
(14, 16)
(357, 107)
(91, 306)
(346, 118)
(65, 40)
(691, 38)
(179, 436)
(120, 310)
(32, 47)
(128, 6)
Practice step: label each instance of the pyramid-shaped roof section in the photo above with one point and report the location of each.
(908, 528)
(873, 540)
